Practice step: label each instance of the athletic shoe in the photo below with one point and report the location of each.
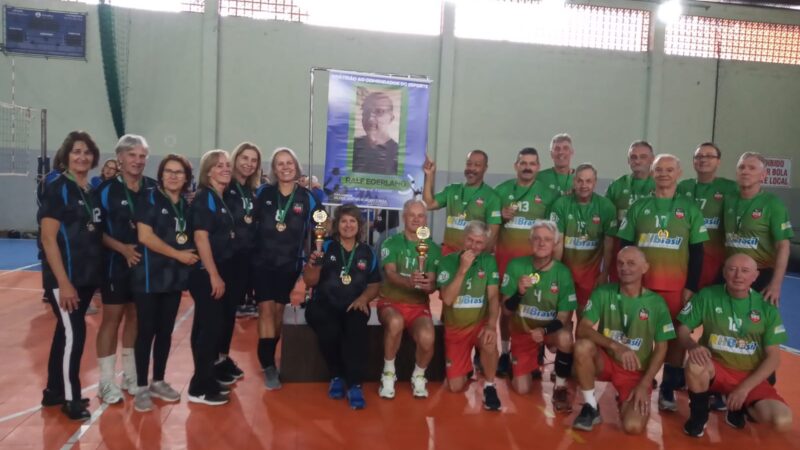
(242, 311)
(736, 419)
(209, 399)
(386, 389)
(162, 390)
(561, 401)
(717, 403)
(222, 375)
(418, 385)
(109, 393)
(504, 365)
(336, 388)
(75, 410)
(130, 385)
(666, 401)
(223, 389)
(51, 398)
(695, 427)
(355, 397)
(252, 310)
(142, 401)
(229, 365)
(491, 402)
(272, 379)
(588, 418)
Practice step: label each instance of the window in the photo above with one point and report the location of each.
(554, 23)
(287, 10)
(156, 5)
(740, 40)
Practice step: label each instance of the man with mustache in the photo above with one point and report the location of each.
(376, 152)
(464, 202)
(559, 177)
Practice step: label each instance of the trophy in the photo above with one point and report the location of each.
(422, 247)
(319, 216)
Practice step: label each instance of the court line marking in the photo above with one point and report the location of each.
(37, 408)
(19, 269)
(103, 406)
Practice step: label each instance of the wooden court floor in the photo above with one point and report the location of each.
(300, 416)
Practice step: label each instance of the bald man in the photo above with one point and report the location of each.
(737, 352)
(628, 347)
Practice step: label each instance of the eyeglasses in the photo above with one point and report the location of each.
(699, 157)
(174, 173)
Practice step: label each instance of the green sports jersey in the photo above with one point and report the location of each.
(463, 204)
(625, 190)
(663, 228)
(737, 331)
(754, 226)
(472, 304)
(562, 184)
(710, 198)
(584, 227)
(552, 293)
(636, 322)
(402, 252)
(532, 203)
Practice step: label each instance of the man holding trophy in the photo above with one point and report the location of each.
(409, 261)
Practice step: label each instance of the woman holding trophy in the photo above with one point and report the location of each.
(409, 260)
(283, 214)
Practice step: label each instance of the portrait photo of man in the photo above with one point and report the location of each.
(375, 151)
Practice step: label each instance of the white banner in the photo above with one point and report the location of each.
(779, 172)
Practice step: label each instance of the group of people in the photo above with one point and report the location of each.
(639, 268)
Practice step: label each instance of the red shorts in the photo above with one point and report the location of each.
(613, 276)
(446, 250)
(624, 381)
(504, 257)
(582, 292)
(712, 264)
(727, 379)
(674, 301)
(410, 312)
(458, 345)
(524, 354)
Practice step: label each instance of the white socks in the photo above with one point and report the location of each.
(106, 365)
(129, 365)
(588, 397)
(388, 365)
(418, 371)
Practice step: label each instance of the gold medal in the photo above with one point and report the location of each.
(346, 279)
(280, 226)
(535, 277)
(423, 233)
(584, 237)
(181, 238)
(90, 227)
(663, 234)
(462, 216)
(248, 219)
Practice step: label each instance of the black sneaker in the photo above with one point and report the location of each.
(209, 399)
(504, 365)
(230, 366)
(717, 403)
(75, 410)
(223, 375)
(491, 402)
(695, 427)
(588, 418)
(51, 398)
(736, 419)
(224, 389)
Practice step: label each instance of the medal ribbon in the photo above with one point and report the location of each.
(741, 212)
(228, 210)
(666, 217)
(283, 209)
(346, 269)
(248, 205)
(582, 230)
(128, 192)
(86, 203)
(742, 330)
(524, 194)
(464, 201)
(178, 212)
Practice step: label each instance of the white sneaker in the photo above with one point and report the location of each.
(109, 393)
(162, 390)
(387, 385)
(142, 401)
(418, 384)
(129, 384)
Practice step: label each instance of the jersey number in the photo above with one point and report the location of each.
(702, 203)
(733, 325)
(524, 206)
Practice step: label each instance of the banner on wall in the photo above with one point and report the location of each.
(779, 172)
(376, 139)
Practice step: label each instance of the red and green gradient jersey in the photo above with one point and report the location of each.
(584, 227)
(472, 304)
(668, 255)
(562, 184)
(402, 252)
(736, 330)
(625, 190)
(553, 293)
(754, 226)
(710, 198)
(533, 202)
(462, 204)
(635, 322)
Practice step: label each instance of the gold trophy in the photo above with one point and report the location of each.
(422, 248)
(319, 216)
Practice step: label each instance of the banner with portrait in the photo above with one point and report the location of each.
(376, 139)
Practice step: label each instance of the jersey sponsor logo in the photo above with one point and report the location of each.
(687, 308)
(755, 316)
(468, 302)
(554, 288)
(572, 298)
(589, 306)
(651, 240)
(786, 226)
(361, 264)
(735, 241)
(223, 211)
(124, 203)
(718, 310)
(616, 335)
(756, 214)
(780, 329)
(495, 275)
(613, 307)
(495, 213)
(456, 222)
(164, 211)
(506, 279)
(80, 202)
(385, 253)
(668, 328)
(534, 313)
(479, 201)
(298, 208)
(730, 344)
(333, 258)
(520, 223)
(711, 223)
(574, 243)
(646, 212)
(443, 276)
(679, 213)
(644, 314)
(268, 203)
